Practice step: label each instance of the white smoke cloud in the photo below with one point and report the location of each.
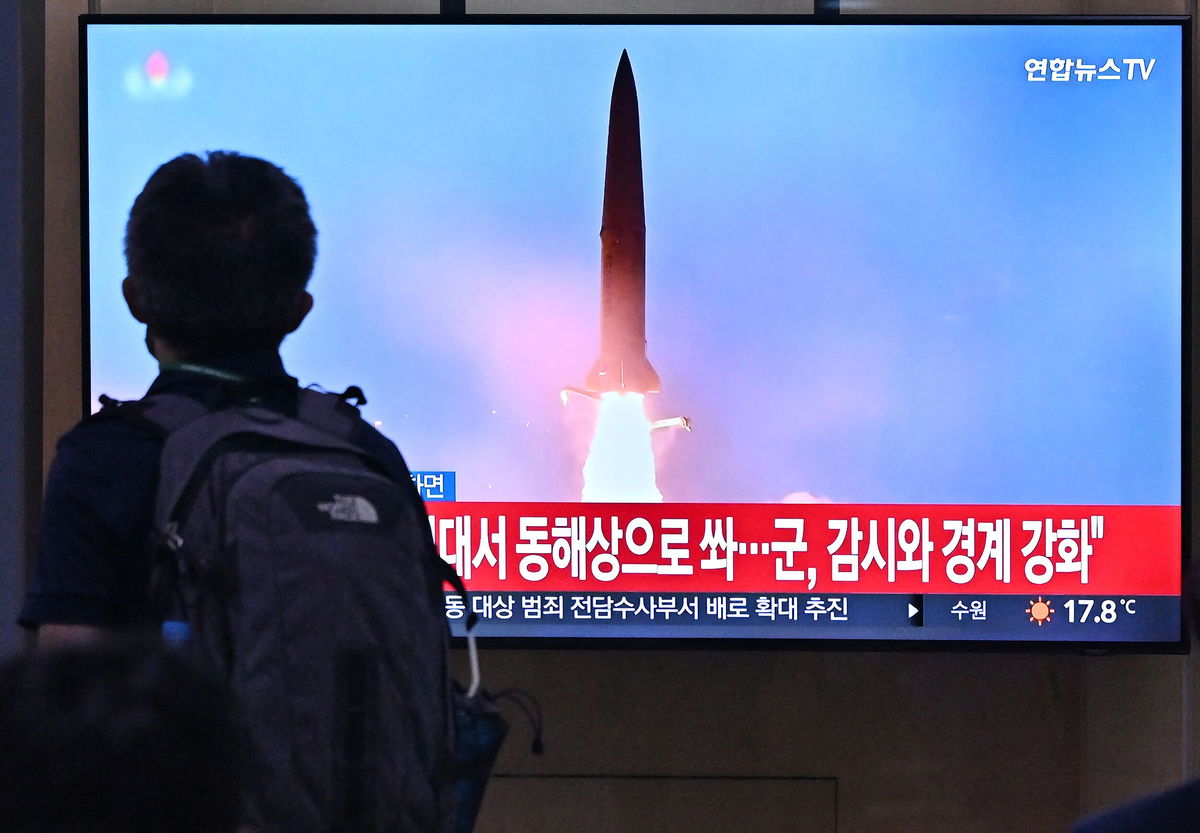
(141, 87)
(805, 497)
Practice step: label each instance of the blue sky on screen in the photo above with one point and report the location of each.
(882, 265)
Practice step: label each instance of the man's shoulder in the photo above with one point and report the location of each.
(109, 438)
(1173, 811)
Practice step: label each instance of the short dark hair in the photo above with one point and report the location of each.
(219, 251)
(115, 738)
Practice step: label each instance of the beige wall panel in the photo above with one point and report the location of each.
(619, 805)
(1138, 735)
(1012, 7)
(324, 6)
(847, 7)
(917, 741)
(640, 7)
(266, 6)
(62, 350)
(151, 6)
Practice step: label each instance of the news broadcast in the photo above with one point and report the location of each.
(721, 330)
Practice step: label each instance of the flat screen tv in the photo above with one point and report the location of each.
(862, 331)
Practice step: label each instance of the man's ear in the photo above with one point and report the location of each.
(131, 300)
(304, 305)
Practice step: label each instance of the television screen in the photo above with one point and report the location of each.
(722, 329)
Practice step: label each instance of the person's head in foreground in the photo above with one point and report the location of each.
(219, 251)
(115, 737)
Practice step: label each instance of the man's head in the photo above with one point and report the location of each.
(219, 251)
(115, 738)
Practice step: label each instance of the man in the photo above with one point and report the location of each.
(219, 253)
(115, 737)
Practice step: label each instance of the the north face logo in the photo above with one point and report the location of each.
(350, 508)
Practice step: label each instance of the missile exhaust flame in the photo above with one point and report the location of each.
(620, 462)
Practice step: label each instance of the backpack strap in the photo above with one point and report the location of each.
(158, 415)
(166, 412)
(329, 412)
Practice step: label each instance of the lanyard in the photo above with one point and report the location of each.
(203, 370)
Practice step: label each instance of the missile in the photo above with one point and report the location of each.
(623, 365)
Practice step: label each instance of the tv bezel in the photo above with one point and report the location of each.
(1182, 22)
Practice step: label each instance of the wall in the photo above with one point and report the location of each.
(912, 742)
(12, 307)
(21, 39)
(761, 740)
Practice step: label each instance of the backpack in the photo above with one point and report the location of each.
(304, 569)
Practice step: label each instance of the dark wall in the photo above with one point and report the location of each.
(21, 120)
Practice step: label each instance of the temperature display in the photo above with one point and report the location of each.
(1099, 611)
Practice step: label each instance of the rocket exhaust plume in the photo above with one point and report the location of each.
(620, 464)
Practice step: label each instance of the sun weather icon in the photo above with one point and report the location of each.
(1039, 611)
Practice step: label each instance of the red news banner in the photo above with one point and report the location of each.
(811, 548)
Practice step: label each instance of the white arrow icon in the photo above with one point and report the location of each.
(913, 611)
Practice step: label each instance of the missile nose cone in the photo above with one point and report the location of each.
(623, 199)
(624, 88)
(624, 67)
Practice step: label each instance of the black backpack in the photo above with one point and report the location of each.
(304, 569)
